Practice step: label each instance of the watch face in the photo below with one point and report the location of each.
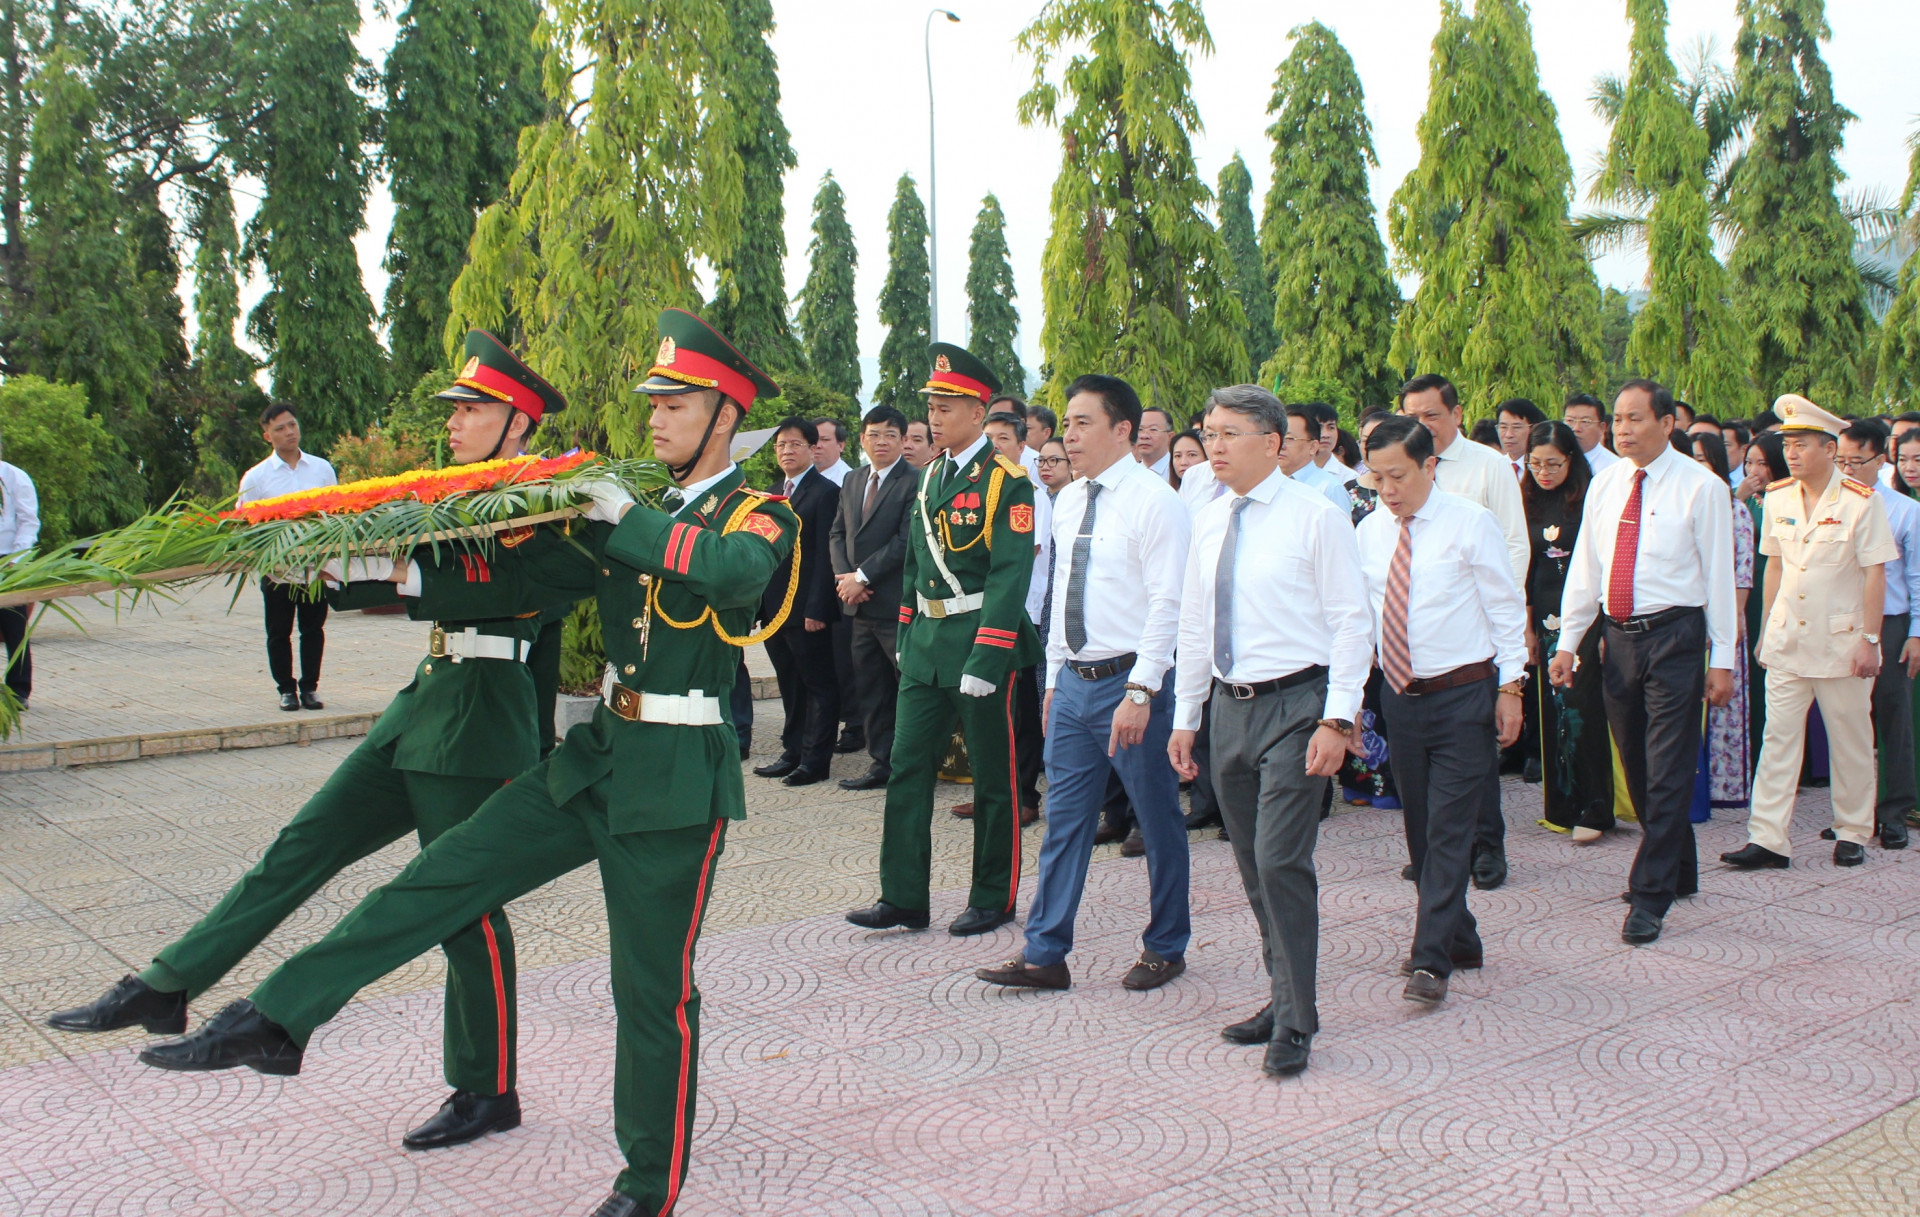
(1137, 697)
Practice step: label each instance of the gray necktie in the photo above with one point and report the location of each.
(1077, 576)
(1223, 591)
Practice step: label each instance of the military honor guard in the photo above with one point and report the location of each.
(646, 788)
(964, 633)
(1825, 590)
(478, 712)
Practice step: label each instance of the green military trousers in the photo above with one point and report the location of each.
(366, 805)
(656, 886)
(923, 721)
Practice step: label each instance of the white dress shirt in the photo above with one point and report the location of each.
(1198, 486)
(1337, 469)
(273, 477)
(1685, 556)
(1043, 552)
(1462, 605)
(1483, 475)
(1599, 457)
(1135, 564)
(1030, 461)
(19, 510)
(1903, 573)
(836, 472)
(1326, 485)
(1298, 599)
(1163, 467)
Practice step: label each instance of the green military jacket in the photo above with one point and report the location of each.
(481, 718)
(663, 581)
(982, 519)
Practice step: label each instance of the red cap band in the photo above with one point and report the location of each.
(690, 367)
(955, 385)
(500, 386)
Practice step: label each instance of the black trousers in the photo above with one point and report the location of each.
(1655, 684)
(282, 610)
(803, 662)
(1444, 758)
(1893, 722)
(843, 677)
(876, 682)
(1029, 736)
(13, 628)
(740, 705)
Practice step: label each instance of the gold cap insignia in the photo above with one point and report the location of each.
(1786, 408)
(942, 364)
(666, 352)
(473, 365)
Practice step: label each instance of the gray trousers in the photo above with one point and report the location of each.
(1271, 809)
(1893, 723)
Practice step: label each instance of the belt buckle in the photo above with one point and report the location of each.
(437, 643)
(1240, 692)
(626, 703)
(936, 609)
(1634, 625)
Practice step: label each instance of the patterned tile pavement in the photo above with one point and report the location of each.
(1759, 1049)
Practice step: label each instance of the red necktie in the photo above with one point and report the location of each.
(1626, 547)
(1396, 657)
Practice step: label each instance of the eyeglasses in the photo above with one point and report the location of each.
(1155, 429)
(1850, 463)
(1050, 461)
(1215, 436)
(1547, 466)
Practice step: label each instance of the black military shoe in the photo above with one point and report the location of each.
(978, 921)
(875, 778)
(289, 701)
(310, 702)
(464, 1117)
(238, 1035)
(883, 916)
(1849, 853)
(1255, 1030)
(1409, 874)
(852, 740)
(1893, 835)
(1287, 1054)
(780, 768)
(804, 776)
(130, 1001)
(1641, 928)
(617, 1204)
(1489, 869)
(1754, 857)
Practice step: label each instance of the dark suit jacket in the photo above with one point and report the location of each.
(877, 543)
(814, 501)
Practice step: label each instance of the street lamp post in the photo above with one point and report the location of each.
(933, 189)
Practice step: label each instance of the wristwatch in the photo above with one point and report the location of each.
(1342, 725)
(1139, 695)
(1872, 640)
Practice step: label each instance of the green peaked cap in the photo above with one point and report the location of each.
(494, 373)
(957, 373)
(693, 355)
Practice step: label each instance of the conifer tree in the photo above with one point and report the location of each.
(750, 302)
(216, 282)
(1897, 383)
(829, 318)
(1507, 304)
(1797, 294)
(1246, 273)
(1134, 276)
(1333, 298)
(993, 323)
(1658, 152)
(461, 82)
(905, 301)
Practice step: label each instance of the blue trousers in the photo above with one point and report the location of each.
(1077, 769)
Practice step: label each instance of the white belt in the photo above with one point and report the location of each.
(691, 709)
(472, 644)
(951, 607)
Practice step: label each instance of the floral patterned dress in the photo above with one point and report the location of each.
(1726, 757)
(1576, 759)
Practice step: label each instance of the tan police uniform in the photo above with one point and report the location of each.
(1811, 634)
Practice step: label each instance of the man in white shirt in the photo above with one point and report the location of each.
(284, 472)
(1283, 687)
(1296, 459)
(1587, 419)
(828, 459)
(19, 532)
(1478, 474)
(1326, 421)
(1153, 447)
(1514, 420)
(1653, 567)
(1452, 645)
(1121, 553)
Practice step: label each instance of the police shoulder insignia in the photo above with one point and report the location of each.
(1020, 517)
(516, 536)
(762, 526)
(1860, 488)
(1777, 485)
(1014, 468)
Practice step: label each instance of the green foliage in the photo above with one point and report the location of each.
(829, 318)
(216, 283)
(905, 299)
(805, 396)
(1797, 294)
(418, 417)
(583, 649)
(1333, 301)
(1317, 386)
(461, 81)
(1134, 276)
(613, 198)
(1247, 274)
(993, 323)
(379, 453)
(1617, 322)
(1897, 383)
(750, 302)
(45, 429)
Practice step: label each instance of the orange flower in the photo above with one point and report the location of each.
(425, 485)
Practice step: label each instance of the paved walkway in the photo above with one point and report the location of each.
(1765, 1037)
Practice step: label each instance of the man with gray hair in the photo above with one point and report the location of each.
(1284, 689)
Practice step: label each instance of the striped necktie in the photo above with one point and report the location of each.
(1396, 656)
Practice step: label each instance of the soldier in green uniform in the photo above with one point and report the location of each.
(479, 711)
(646, 788)
(964, 633)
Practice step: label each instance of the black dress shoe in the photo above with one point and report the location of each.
(238, 1035)
(1255, 1030)
(1754, 857)
(1287, 1054)
(617, 1204)
(1641, 928)
(804, 776)
(1893, 835)
(1826, 834)
(1134, 846)
(1409, 874)
(309, 702)
(1202, 819)
(778, 768)
(1107, 834)
(464, 1117)
(1468, 962)
(875, 778)
(1489, 869)
(1151, 971)
(130, 1001)
(1849, 853)
(883, 916)
(1531, 773)
(1426, 988)
(289, 701)
(979, 921)
(1017, 973)
(851, 740)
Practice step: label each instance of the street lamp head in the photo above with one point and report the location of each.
(950, 14)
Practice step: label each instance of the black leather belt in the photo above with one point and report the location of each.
(1103, 669)
(1241, 692)
(1648, 621)
(1464, 675)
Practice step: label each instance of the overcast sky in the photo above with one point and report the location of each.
(854, 92)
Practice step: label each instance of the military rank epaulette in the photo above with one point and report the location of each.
(1015, 468)
(1860, 488)
(1777, 485)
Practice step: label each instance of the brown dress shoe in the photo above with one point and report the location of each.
(963, 811)
(1017, 973)
(1029, 816)
(1152, 971)
(1134, 846)
(1426, 987)
(1107, 834)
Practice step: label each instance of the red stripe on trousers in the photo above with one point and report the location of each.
(1013, 795)
(680, 1016)
(499, 999)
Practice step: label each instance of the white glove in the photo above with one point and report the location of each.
(973, 686)
(610, 499)
(358, 570)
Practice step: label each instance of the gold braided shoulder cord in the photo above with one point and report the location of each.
(994, 480)
(733, 525)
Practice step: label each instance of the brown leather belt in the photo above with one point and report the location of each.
(1484, 670)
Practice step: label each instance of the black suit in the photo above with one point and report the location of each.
(875, 544)
(803, 659)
